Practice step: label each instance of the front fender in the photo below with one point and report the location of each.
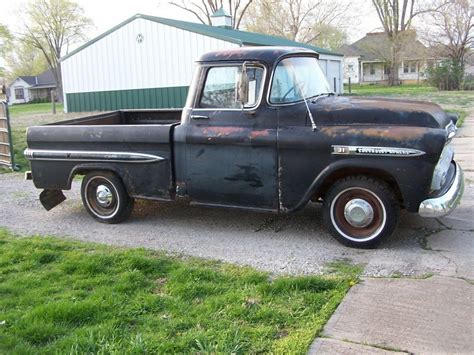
(412, 177)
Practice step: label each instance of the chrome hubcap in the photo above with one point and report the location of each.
(358, 213)
(103, 195)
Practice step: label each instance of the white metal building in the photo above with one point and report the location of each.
(148, 62)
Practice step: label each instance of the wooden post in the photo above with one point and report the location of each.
(350, 85)
(335, 84)
(53, 101)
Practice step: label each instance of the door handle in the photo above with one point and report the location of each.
(199, 117)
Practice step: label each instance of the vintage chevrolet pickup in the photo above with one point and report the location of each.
(261, 130)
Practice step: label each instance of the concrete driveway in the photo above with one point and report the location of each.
(407, 315)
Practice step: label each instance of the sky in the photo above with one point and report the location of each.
(107, 13)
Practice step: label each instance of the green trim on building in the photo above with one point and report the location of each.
(226, 34)
(170, 97)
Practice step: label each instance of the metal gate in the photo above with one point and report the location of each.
(6, 145)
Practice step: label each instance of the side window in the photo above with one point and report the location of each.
(220, 88)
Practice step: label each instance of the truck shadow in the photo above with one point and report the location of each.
(306, 224)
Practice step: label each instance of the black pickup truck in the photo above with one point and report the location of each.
(261, 130)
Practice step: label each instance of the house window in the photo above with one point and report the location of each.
(386, 69)
(405, 67)
(372, 69)
(19, 94)
(409, 67)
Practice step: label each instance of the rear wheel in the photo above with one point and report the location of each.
(361, 211)
(105, 198)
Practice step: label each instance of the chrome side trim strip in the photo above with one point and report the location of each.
(81, 155)
(377, 151)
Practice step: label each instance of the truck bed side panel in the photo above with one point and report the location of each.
(140, 154)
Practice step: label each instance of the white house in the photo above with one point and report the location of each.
(367, 60)
(30, 88)
(148, 62)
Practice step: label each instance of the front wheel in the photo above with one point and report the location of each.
(361, 211)
(105, 198)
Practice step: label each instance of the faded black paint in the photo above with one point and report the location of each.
(266, 158)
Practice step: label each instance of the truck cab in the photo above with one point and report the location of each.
(261, 130)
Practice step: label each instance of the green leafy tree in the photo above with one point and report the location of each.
(5, 46)
(24, 59)
(446, 75)
(51, 27)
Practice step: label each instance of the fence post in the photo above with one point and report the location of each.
(350, 91)
(53, 101)
(335, 84)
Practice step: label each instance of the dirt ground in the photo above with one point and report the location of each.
(296, 244)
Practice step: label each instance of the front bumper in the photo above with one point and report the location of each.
(443, 205)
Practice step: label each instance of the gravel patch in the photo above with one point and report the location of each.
(293, 244)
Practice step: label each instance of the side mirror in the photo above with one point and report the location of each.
(243, 86)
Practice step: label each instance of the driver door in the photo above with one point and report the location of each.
(231, 152)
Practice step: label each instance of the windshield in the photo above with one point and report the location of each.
(296, 78)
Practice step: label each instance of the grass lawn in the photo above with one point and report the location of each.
(385, 90)
(461, 102)
(23, 109)
(24, 115)
(60, 297)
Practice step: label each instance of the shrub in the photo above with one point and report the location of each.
(446, 75)
(468, 83)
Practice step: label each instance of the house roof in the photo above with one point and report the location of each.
(30, 80)
(226, 34)
(45, 79)
(376, 47)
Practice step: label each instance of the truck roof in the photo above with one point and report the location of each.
(266, 54)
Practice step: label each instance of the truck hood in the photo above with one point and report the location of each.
(378, 111)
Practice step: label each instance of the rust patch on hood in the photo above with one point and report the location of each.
(401, 133)
(261, 133)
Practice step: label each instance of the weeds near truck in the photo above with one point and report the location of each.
(67, 297)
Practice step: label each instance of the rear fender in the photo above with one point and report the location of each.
(83, 169)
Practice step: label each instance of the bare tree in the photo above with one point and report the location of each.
(203, 9)
(450, 29)
(307, 21)
(396, 17)
(51, 26)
